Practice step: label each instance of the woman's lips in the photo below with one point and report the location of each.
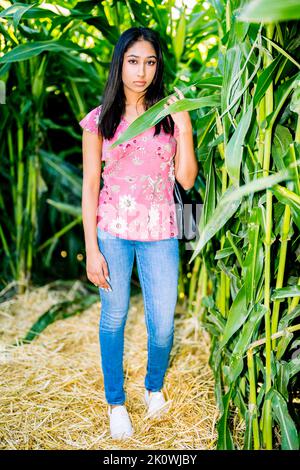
(140, 83)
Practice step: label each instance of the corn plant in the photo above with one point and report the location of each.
(243, 279)
(250, 230)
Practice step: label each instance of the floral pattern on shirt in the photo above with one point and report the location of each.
(136, 201)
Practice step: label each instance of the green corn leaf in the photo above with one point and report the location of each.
(20, 10)
(283, 343)
(287, 318)
(288, 197)
(285, 292)
(282, 51)
(289, 435)
(234, 148)
(224, 253)
(216, 318)
(239, 398)
(230, 201)
(236, 360)
(293, 366)
(248, 431)
(237, 315)
(282, 379)
(211, 82)
(254, 260)
(281, 145)
(295, 100)
(53, 239)
(66, 208)
(63, 171)
(223, 212)
(218, 386)
(270, 11)
(264, 80)
(59, 311)
(35, 48)
(260, 184)
(225, 441)
(210, 193)
(157, 112)
(179, 39)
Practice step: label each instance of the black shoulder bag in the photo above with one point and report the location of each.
(188, 213)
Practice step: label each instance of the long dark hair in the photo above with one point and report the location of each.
(113, 102)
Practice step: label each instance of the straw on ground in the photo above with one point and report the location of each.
(52, 392)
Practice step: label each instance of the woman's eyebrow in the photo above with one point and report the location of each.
(133, 55)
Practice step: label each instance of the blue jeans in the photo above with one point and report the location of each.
(158, 270)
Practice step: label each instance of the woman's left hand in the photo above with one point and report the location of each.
(181, 118)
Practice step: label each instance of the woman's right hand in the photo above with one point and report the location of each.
(97, 269)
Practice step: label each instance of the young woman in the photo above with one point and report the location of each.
(134, 214)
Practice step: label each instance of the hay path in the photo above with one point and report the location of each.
(52, 393)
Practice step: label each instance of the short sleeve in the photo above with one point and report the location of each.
(176, 131)
(91, 120)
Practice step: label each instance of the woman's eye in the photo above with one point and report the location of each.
(150, 61)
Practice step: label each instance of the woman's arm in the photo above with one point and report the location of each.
(96, 266)
(91, 153)
(186, 165)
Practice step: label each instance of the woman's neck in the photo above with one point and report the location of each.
(134, 106)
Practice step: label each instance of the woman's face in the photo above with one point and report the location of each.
(139, 64)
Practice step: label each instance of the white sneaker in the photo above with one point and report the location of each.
(119, 422)
(156, 403)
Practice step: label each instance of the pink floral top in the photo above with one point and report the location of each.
(136, 201)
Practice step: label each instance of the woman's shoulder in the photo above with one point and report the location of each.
(91, 120)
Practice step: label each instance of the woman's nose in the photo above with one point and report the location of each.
(141, 71)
